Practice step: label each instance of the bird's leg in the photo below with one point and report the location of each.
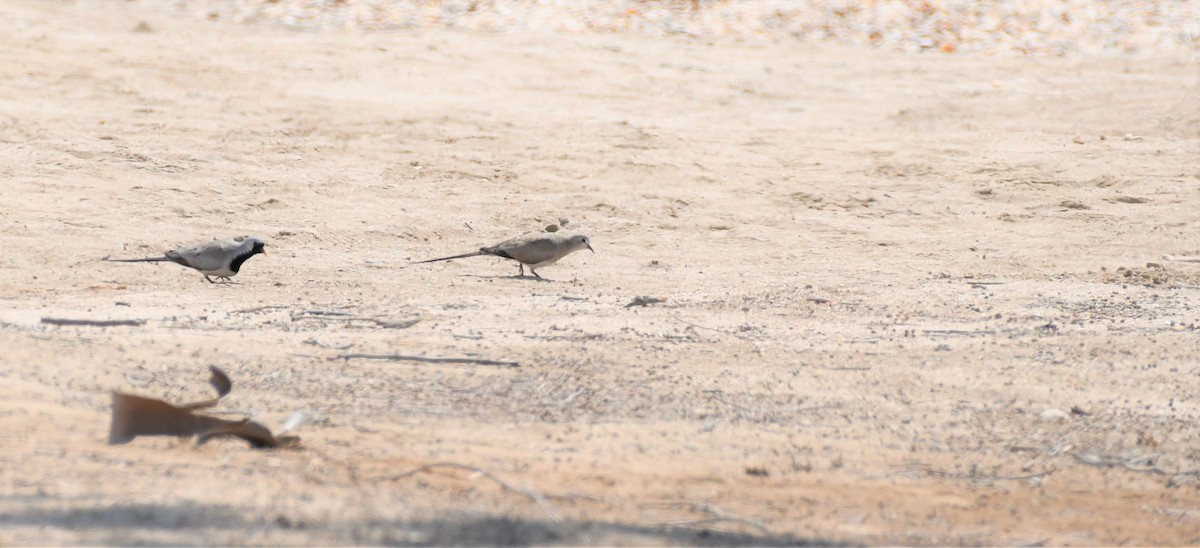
(535, 274)
(521, 267)
(209, 279)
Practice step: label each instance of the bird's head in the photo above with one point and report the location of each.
(579, 241)
(257, 245)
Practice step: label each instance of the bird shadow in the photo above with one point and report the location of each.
(516, 277)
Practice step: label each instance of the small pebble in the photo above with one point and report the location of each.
(1053, 415)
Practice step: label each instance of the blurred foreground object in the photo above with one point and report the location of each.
(134, 416)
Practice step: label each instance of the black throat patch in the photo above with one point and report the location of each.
(236, 265)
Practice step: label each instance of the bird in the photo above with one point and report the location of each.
(533, 250)
(220, 258)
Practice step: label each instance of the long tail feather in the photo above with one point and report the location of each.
(146, 260)
(464, 255)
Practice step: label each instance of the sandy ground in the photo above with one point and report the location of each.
(882, 276)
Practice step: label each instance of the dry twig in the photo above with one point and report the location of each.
(92, 323)
(422, 359)
(981, 477)
(345, 316)
(537, 497)
(715, 514)
(258, 308)
(958, 332)
(1102, 462)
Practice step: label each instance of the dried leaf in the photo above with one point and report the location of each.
(220, 381)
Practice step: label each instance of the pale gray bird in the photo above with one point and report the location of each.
(220, 258)
(532, 250)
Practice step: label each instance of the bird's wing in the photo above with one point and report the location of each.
(213, 255)
(534, 249)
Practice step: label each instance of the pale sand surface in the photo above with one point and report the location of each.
(827, 366)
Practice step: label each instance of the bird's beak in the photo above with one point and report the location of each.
(590, 248)
(264, 252)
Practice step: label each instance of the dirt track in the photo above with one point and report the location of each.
(879, 273)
